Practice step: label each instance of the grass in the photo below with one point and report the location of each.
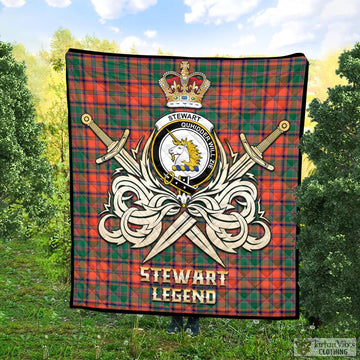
(37, 323)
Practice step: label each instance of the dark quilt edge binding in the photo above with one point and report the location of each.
(161, 313)
(71, 184)
(81, 51)
(301, 130)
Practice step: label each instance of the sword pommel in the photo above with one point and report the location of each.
(284, 126)
(86, 119)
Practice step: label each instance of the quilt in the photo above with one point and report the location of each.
(183, 172)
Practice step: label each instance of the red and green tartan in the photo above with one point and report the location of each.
(247, 95)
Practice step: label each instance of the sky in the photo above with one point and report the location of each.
(189, 27)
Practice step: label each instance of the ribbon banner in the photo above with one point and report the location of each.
(182, 183)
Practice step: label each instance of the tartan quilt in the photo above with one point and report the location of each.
(182, 180)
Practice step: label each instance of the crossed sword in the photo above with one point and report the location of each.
(185, 224)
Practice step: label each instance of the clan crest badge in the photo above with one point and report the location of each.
(184, 151)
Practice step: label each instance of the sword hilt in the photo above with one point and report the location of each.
(282, 127)
(87, 119)
(256, 152)
(113, 147)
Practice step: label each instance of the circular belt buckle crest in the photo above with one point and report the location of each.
(183, 150)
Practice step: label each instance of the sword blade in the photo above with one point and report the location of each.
(128, 162)
(178, 228)
(241, 167)
(184, 225)
(200, 240)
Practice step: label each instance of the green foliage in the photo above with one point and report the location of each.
(329, 202)
(160, 52)
(46, 72)
(133, 49)
(95, 44)
(63, 40)
(56, 238)
(25, 174)
(37, 72)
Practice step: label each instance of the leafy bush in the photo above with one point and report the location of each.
(329, 202)
(25, 174)
(56, 239)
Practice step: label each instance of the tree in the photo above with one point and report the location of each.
(329, 202)
(25, 174)
(160, 52)
(52, 112)
(60, 43)
(133, 49)
(95, 44)
(37, 73)
(63, 40)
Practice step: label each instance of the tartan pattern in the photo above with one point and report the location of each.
(250, 95)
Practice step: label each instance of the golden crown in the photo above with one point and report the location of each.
(184, 89)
